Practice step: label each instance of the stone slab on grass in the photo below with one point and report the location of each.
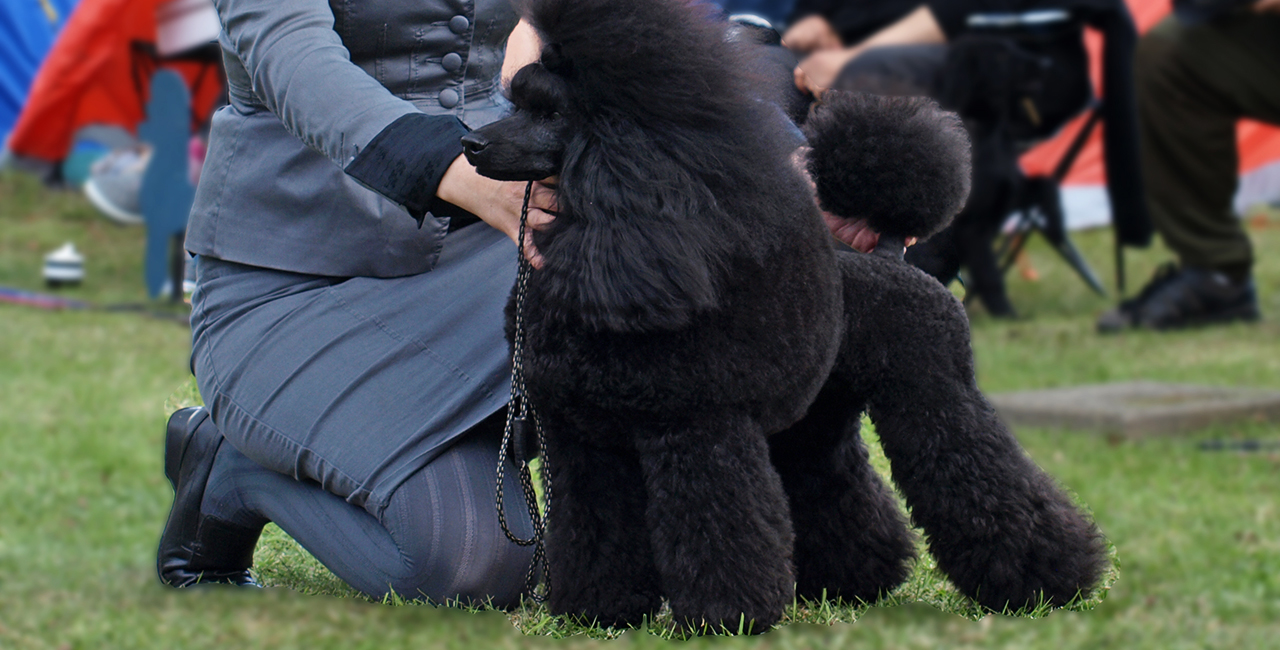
(1136, 409)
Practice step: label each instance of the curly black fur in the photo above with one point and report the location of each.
(902, 163)
(700, 356)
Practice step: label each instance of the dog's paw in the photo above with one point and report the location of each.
(860, 577)
(622, 610)
(751, 610)
(1061, 558)
(724, 620)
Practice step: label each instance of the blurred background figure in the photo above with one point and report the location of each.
(82, 119)
(1198, 72)
(92, 86)
(1017, 72)
(186, 30)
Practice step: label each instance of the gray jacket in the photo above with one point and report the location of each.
(342, 117)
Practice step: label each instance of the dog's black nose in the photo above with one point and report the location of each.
(474, 143)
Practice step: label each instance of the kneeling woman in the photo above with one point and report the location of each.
(347, 321)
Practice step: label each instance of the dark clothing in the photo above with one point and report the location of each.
(1194, 83)
(1191, 12)
(855, 21)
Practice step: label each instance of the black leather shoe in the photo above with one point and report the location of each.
(196, 548)
(1125, 315)
(1200, 297)
(1183, 297)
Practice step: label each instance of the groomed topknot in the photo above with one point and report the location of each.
(901, 163)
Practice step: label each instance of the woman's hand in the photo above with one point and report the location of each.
(819, 70)
(855, 233)
(816, 73)
(498, 203)
(810, 35)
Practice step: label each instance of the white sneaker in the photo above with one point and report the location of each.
(115, 182)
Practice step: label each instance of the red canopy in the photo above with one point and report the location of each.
(99, 72)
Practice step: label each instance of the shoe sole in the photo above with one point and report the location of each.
(109, 209)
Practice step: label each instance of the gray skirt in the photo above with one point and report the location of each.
(355, 383)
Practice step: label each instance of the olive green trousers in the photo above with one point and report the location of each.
(1193, 83)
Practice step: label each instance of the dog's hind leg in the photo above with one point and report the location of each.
(601, 562)
(999, 527)
(719, 523)
(852, 540)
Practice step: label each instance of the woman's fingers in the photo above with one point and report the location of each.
(543, 208)
(853, 232)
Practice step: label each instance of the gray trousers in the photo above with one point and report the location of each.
(1193, 84)
(345, 403)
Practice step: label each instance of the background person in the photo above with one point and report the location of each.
(1199, 72)
(909, 48)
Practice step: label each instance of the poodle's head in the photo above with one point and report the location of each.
(529, 145)
(644, 110)
(901, 163)
(611, 70)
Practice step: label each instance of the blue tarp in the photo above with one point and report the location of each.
(27, 30)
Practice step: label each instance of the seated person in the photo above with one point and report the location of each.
(908, 48)
(1197, 75)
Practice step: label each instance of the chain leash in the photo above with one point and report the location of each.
(520, 417)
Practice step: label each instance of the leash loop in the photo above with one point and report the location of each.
(520, 417)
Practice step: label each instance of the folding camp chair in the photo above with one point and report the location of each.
(1039, 209)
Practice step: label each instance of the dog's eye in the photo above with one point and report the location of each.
(555, 115)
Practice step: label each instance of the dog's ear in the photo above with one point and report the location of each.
(635, 247)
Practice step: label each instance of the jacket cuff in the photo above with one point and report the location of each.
(951, 16)
(407, 159)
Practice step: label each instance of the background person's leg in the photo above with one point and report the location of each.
(1193, 84)
(438, 538)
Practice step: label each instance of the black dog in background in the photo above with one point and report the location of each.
(700, 356)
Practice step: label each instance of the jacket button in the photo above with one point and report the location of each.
(452, 62)
(449, 98)
(459, 24)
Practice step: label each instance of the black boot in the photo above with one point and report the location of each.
(197, 548)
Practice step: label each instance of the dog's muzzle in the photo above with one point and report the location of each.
(473, 143)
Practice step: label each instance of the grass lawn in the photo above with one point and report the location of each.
(84, 396)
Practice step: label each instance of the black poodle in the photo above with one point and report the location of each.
(700, 356)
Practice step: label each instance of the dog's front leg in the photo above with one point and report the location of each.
(598, 549)
(719, 522)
